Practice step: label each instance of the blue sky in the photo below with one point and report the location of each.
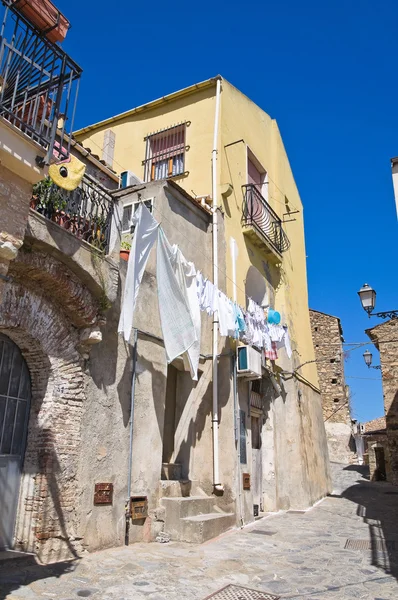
(326, 72)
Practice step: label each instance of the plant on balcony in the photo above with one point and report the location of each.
(125, 248)
(47, 199)
(96, 234)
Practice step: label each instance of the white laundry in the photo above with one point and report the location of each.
(186, 277)
(286, 339)
(209, 298)
(226, 315)
(255, 310)
(145, 235)
(175, 315)
(200, 282)
(276, 332)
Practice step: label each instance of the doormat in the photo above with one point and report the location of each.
(236, 592)
(381, 545)
(261, 532)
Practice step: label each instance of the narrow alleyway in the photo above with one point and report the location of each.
(291, 555)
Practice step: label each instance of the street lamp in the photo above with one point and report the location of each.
(368, 356)
(367, 296)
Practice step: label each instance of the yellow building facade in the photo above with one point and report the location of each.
(263, 220)
(245, 130)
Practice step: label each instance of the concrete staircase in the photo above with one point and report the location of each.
(190, 515)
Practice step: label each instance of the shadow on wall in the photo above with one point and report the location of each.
(377, 505)
(41, 515)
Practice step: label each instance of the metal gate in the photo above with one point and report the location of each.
(14, 413)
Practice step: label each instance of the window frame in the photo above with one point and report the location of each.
(174, 147)
(136, 203)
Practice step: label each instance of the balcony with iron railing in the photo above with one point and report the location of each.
(38, 84)
(261, 223)
(85, 212)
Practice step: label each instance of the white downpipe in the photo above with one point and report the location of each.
(216, 467)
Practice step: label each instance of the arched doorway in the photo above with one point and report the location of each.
(15, 397)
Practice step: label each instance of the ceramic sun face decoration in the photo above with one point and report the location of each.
(68, 173)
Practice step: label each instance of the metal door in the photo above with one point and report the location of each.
(257, 470)
(14, 413)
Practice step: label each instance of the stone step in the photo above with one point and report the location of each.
(200, 528)
(169, 488)
(187, 506)
(171, 471)
(177, 509)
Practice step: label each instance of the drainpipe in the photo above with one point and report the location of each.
(217, 486)
(130, 466)
(237, 438)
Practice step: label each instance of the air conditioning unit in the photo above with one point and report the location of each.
(128, 178)
(249, 363)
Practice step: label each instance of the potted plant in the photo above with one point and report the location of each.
(45, 17)
(49, 201)
(125, 248)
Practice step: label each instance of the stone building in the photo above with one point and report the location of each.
(384, 337)
(376, 448)
(327, 335)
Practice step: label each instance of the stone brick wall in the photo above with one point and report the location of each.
(327, 338)
(326, 334)
(15, 194)
(372, 441)
(46, 521)
(385, 337)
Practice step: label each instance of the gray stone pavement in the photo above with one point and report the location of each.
(294, 555)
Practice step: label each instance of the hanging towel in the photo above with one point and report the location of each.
(208, 301)
(145, 235)
(226, 315)
(286, 339)
(186, 276)
(240, 325)
(175, 316)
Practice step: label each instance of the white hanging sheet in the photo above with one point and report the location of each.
(186, 277)
(145, 235)
(175, 315)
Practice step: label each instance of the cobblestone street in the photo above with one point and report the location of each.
(292, 555)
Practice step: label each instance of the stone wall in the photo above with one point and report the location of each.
(373, 441)
(15, 194)
(327, 338)
(385, 337)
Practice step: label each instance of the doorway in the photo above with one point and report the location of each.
(257, 468)
(15, 398)
(177, 432)
(380, 471)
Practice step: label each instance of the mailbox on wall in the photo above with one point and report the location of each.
(138, 507)
(246, 481)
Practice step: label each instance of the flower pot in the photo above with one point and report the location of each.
(124, 254)
(40, 105)
(34, 202)
(45, 17)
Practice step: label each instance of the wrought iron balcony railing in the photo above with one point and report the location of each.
(38, 83)
(86, 212)
(258, 214)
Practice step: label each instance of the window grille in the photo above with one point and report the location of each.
(165, 153)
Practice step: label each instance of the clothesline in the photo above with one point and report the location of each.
(183, 293)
